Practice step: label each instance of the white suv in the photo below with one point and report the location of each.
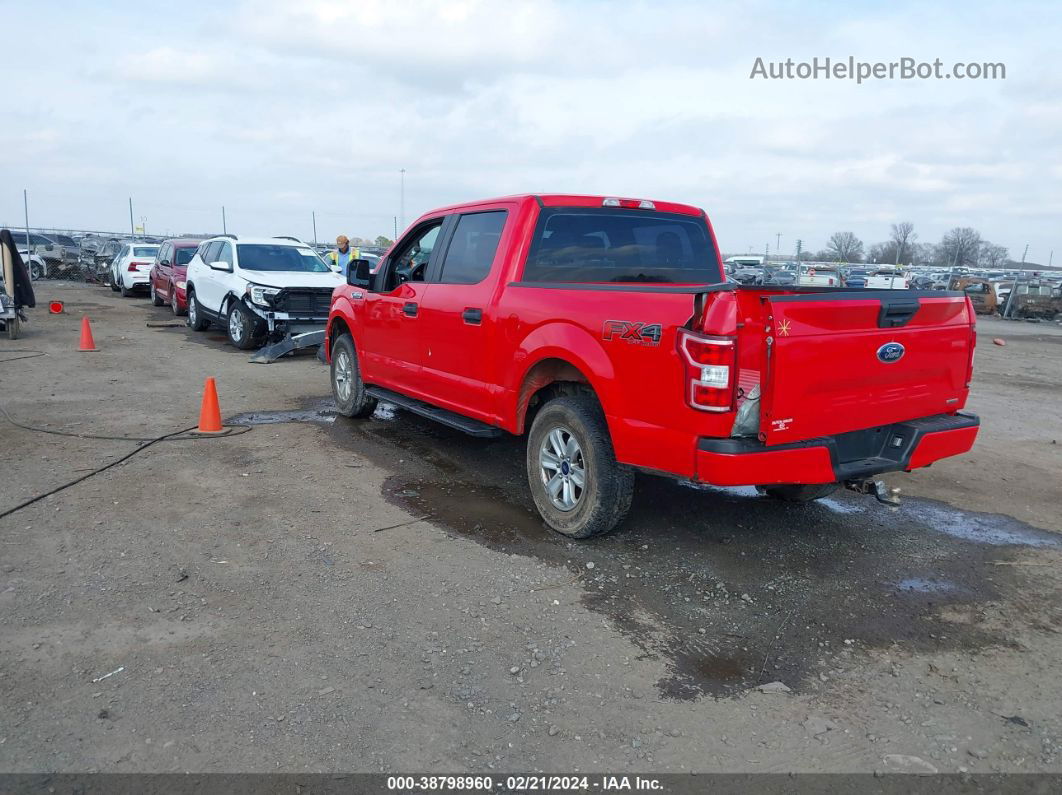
(260, 289)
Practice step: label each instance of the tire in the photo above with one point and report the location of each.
(197, 321)
(244, 328)
(114, 283)
(348, 389)
(173, 302)
(607, 488)
(801, 492)
(155, 300)
(126, 291)
(36, 271)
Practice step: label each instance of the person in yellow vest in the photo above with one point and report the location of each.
(343, 255)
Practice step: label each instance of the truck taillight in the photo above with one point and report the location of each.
(710, 364)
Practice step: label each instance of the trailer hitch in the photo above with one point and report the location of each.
(881, 492)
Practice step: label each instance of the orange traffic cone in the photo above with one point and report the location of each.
(210, 412)
(87, 343)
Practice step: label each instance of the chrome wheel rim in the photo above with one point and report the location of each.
(173, 300)
(191, 310)
(562, 468)
(236, 324)
(344, 376)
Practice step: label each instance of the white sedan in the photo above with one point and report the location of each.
(131, 267)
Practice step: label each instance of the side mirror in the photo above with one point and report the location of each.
(359, 273)
(221, 266)
(164, 262)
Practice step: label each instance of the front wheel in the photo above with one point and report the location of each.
(801, 492)
(244, 326)
(579, 488)
(197, 321)
(348, 389)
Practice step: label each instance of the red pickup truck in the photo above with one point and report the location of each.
(603, 329)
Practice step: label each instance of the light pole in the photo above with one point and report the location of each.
(132, 226)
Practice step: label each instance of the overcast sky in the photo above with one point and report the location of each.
(274, 109)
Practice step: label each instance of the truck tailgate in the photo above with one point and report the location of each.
(845, 361)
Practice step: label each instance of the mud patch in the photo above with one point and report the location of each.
(727, 588)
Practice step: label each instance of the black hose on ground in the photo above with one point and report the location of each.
(182, 435)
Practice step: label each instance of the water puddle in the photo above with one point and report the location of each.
(321, 416)
(842, 507)
(980, 528)
(926, 585)
(733, 491)
(726, 587)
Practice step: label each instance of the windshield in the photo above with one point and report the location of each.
(266, 257)
(619, 245)
(145, 251)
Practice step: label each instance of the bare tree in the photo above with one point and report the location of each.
(959, 247)
(992, 256)
(845, 247)
(882, 253)
(902, 235)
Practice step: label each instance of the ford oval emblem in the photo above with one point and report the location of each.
(891, 352)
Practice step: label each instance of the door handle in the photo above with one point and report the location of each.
(410, 309)
(473, 316)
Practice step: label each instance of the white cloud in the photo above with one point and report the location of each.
(278, 108)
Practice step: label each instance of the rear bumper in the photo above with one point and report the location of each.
(829, 459)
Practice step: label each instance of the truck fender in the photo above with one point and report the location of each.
(341, 320)
(561, 344)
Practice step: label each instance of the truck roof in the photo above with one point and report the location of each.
(576, 200)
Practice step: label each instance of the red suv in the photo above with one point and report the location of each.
(168, 273)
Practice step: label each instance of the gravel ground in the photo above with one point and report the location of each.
(320, 594)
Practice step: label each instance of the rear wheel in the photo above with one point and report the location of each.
(126, 291)
(197, 321)
(173, 301)
(801, 492)
(155, 299)
(579, 488)
(347, 387)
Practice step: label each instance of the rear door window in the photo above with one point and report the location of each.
(472, 248)
(620, 245)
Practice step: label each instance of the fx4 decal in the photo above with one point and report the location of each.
(632, 332)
